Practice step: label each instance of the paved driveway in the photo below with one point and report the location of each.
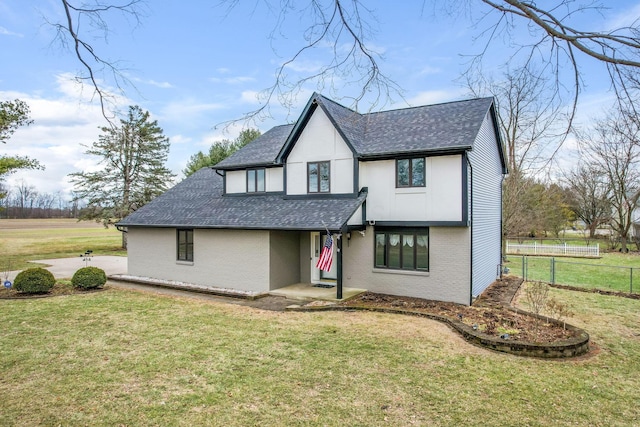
(65, 267)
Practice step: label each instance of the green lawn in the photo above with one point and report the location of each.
(125, 358)
(25, 240)
(611, 272)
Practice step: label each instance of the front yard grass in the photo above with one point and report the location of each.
(22, 241)
(125, 358)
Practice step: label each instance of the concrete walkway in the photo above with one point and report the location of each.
(63, 268)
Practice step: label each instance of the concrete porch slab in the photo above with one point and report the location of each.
(308, 292)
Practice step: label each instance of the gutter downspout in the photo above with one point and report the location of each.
(470, 190)
(339, 266)
(503, 240)
(224, 180)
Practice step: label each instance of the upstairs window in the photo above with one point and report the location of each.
(185, 245)
(318, 177)
(255, 181)
(410, 172)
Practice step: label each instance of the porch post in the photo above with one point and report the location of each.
(339, 272)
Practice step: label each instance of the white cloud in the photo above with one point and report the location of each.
(5, 32)
(250, 97)
(625, 18)
(161, 85)
(61, 126)
(180, 139)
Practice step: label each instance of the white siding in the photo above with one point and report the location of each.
(439, 200)
(486, 205)
(320, 141)
(356, 218)
(447, 279)
(274, 180)
(236, 259)
(237, 180)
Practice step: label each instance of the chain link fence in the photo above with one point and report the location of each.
(573, 273)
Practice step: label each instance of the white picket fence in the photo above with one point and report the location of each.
(564, 249)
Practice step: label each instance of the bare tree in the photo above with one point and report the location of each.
(348, 27)
(589, 195)
(81, 20)
(25, 196)
(529, 122)
(45, 202)
(515, 221)
(553, 44)
(555, 41)
(530, 116)
(615, 149)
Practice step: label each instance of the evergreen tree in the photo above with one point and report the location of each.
(219, 151)
(14, 114)
(133, 157)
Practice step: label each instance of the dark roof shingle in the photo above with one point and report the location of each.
(198, 202)
(450, 126)
(261, 151)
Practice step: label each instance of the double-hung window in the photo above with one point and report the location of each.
(402, 249)
(185, 245)
(318, 177)
(410, 172)
(255, 180)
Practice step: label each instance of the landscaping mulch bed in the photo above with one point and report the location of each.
(58, 289)
(487, 314)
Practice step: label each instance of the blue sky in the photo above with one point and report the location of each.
(196, 64)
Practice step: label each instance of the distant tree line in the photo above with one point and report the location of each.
(24, 201)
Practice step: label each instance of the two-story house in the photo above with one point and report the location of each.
(411, 197)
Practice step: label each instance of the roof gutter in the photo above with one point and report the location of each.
(404, 154)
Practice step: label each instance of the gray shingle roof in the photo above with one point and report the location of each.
(454, 125)
(198, 202)
(451, 126)
(262, 151)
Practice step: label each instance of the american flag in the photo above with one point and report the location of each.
(326, 257)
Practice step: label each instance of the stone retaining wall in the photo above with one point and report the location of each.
(577, 345)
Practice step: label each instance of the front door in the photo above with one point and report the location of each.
(318, 276)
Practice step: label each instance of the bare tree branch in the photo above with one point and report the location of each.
(340, 28)
(92, 63)
(611, 43)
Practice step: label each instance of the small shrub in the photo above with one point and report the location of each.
(89, 278)
(34, 281)
(536, 295)
(558, 310)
